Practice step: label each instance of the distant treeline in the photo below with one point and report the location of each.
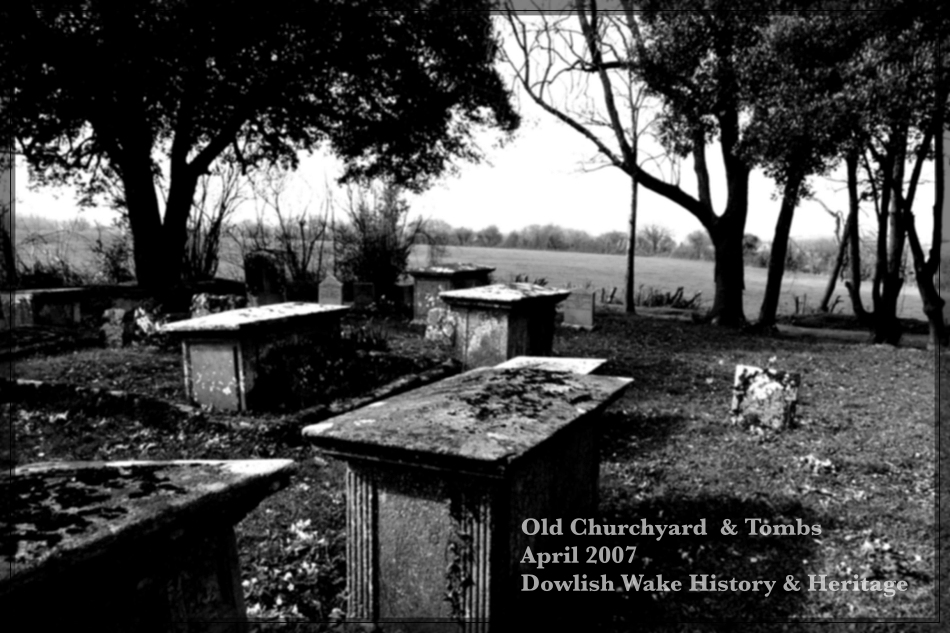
(815, 256)
(809, 256)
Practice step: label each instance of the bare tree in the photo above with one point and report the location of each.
(695, 78)
(656, 238)
(296, 235)
(556, 63)
(217, 195)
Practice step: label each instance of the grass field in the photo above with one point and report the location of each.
(558, 268)
(664, 274)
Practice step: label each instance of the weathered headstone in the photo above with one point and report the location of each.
(430, 281)
(764, 398)
(440, 481)
(17, 309)
(364, 294)
(498, 322)
(116, 327)
(331, 291)
(130, 546)
(265, 279)
(578, 309)
(441, 326)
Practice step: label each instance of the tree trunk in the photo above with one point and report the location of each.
(773, 286)
(159, 247)
(146, 226)
(729, 272)
(854, 202)
(631, 247)
(887, 327)
(836, 269)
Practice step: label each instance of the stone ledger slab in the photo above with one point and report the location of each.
(498, 322)
(220, 352)
(550, 363)
(130, 546)
(440, 479)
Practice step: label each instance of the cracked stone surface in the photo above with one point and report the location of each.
(485, 419)
(61, 513)
(764, 398)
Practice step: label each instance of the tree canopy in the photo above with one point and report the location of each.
(136, 89)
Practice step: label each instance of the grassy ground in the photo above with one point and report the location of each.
(861, 465)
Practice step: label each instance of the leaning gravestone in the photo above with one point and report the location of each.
(578, 309)
(265, 279)
(764, 398)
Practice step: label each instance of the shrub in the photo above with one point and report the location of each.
(114, 254)
(375, 242)
(653, 298)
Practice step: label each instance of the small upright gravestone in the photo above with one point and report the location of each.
(764, 398)
(331, 291)
(265, 279)
(579, 310)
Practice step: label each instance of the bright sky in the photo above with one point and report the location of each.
(539, 178)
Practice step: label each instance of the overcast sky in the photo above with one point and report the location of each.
(538, 178)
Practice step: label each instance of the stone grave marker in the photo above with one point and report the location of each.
(138, 546)
(552, 363)
(265, 279)
(432, 280)
(440, 480)
(764, 398)
(578, 309)
(220, 352)
(331, 291)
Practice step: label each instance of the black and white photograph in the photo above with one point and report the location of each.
(483, 316)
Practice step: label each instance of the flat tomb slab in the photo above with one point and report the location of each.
(482, 421)
(503, 295)
(551, 363)
(250, 319)
(156, 538)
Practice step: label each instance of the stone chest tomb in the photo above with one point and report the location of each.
(430, 281)
(439, 481)
(496, 323)
(220, 352)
